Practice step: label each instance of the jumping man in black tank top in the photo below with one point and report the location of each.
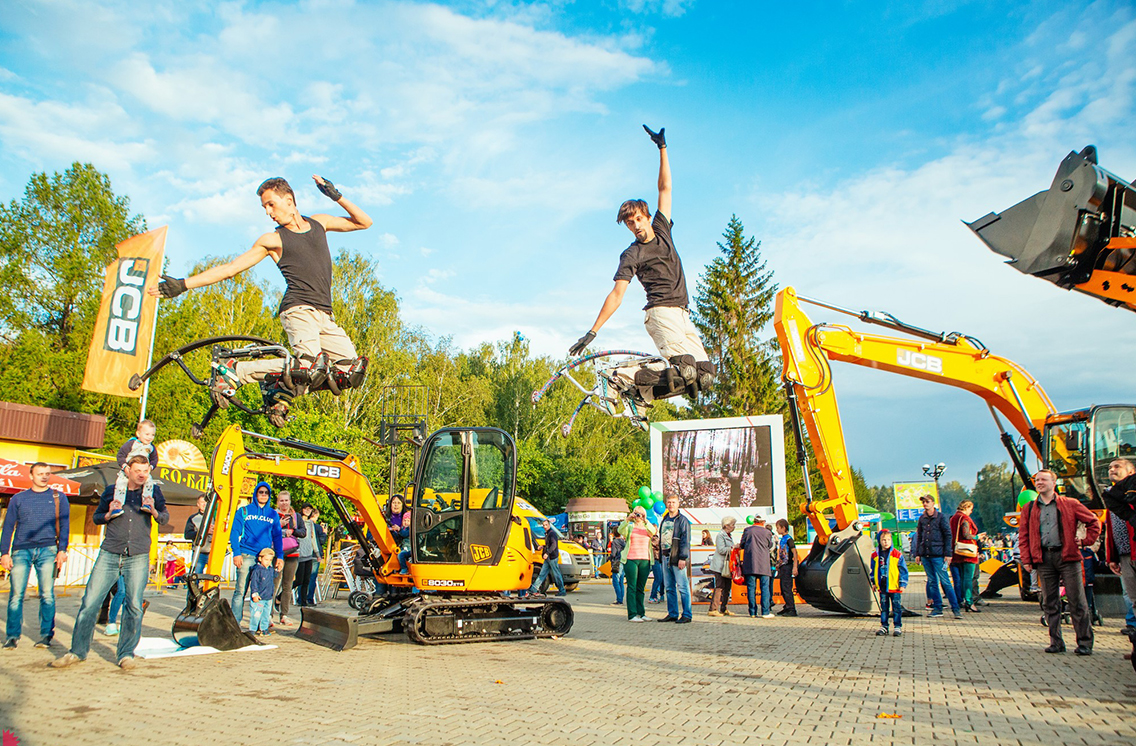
(299, 248)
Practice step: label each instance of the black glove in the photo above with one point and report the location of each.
(582, 343)
(329, 190)
(657, 137)
(171, 287)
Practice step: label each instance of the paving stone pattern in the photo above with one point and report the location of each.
(814, 679)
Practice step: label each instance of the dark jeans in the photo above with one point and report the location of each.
(785, 578)
(657, 585)
(894, 601)
(723, 586)
(962, 575)
(938, 575)
(303, 577)
(1052, 573)
(617, 583)
(310, 590)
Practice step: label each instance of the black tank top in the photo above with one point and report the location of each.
(305, 263)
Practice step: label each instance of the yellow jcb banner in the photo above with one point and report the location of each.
(120, 346)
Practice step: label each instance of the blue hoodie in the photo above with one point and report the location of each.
(255, 528)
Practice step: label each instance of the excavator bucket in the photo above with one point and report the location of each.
(836, 576)
(208, 620)
(1005, 576)
(1063, 234)
(337, 631)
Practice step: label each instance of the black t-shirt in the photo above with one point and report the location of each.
(657, 266)
(305, 262)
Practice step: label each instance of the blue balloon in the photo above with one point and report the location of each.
(653, 517)
(659, 507)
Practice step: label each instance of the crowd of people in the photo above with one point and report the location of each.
(276, 551)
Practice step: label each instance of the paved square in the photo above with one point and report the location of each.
(815, 679)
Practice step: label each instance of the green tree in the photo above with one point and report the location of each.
(734, 304)
(993, 496)
(55, 244)
(951, 494)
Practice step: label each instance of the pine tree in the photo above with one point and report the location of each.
(734, 304)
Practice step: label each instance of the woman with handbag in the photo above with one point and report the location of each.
(292, 526)
(964, 561)
(720, 569)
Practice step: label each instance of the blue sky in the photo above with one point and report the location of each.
(493, 141)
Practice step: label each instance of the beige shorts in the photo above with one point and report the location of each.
(310, 332)
(673, 333)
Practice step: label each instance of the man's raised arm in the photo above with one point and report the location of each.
(171, 287)
(356, 219)
(660, 139)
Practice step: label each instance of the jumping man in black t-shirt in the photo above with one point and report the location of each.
(653, 259)
(299, 248)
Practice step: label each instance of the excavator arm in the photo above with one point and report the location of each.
(835, 575)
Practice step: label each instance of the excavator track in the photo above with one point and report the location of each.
(443, 620)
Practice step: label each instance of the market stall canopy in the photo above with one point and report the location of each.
(17, 478)
(179, 486)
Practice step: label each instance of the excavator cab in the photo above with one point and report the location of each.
(463, 498)
(1079, 446)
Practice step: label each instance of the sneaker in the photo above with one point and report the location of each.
(882, 632)
(935, 614)
(68, 659)
(10, 643)
(644, 619)
(727, 612)
(898, 632)
(111, 629)
(713, 613)
(770, 615)
(114, 513)
(654, 600)
(562, 593)
(1083, 650)
(285, 621)
(43, 643)
(957, 613)
(636, 619)
(127, 663)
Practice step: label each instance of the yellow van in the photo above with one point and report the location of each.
(575, 561)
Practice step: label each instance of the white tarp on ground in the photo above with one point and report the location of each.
(163, 647)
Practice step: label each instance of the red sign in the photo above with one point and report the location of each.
(16, 478)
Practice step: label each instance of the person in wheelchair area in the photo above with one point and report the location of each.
(322, 348)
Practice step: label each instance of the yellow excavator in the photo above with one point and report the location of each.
(1077, 445)
(1079, 234)
(467, 548)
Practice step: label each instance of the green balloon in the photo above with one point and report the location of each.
(645, 502)
(1025, 496)
(749, 519)
(657, 496)
(644, 492)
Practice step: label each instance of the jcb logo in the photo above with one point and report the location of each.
(126, 306)
(228, 462)
(480, 552)
(919, 361)
(322, 470)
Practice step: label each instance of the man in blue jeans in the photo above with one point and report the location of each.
(125, 553)
(934, 545)
(617, 576)
(550, 564)
(674, 552)
(757, 566)
(255, 527)
(34, 536)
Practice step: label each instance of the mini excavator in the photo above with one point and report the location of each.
(468, 549)
(1078, 445)
(1080, 234)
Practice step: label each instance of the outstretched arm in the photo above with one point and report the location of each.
(611, 303)
(171, 287)
(356, 219)
(660, 140)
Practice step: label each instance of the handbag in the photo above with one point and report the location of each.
(736, 565)
(965, 547)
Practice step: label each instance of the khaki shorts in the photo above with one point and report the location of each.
(673, 333)
(310, 332)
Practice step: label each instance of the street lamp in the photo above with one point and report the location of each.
(934, 472)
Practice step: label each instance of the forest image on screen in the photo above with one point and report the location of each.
(719, 468)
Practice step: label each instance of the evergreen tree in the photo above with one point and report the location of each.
(734, 304)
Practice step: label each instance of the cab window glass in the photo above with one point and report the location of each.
(491, 472)
(1066, 458)
(1114, 436)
